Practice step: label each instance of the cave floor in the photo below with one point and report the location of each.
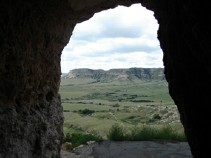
(131, 149)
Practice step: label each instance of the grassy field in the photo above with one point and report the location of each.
(94, 107)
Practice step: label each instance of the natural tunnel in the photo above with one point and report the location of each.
(33, 35)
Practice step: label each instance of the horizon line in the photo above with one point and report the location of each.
(112, 68)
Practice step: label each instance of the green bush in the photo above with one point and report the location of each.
(117, 133)
(86, 112)
(156, 117)
(80, 138)
(168, 133)
(66, 110)
(137, 134)
(67, 137)
(116, 105)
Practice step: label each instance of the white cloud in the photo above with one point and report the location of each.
(117, 38)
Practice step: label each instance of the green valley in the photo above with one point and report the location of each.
(92, 105)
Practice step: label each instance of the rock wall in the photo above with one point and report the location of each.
(184, 38)
(33, 35)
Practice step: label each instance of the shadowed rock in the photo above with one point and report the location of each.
(33, 35)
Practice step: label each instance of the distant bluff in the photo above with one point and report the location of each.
(120, 74)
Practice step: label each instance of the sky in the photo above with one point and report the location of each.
(123, 37)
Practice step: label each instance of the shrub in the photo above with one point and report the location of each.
(120, 99)
(80, 138)
(116, 105)
(144, 133)
(139, 100)
(86, 111)
(156, 117)
(168, 133)
(66, 110)
(116, 133)
(67, 137)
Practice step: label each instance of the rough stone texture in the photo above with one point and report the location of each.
(33, 35)
(184, 36)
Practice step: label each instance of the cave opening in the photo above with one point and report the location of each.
(33, 35)
(122, 42)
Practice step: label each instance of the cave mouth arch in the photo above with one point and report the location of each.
(108, 34)
(33, 35)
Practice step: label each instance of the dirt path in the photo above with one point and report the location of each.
(134, 149)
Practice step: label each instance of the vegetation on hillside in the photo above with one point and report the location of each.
(95, 108)
(119, 133)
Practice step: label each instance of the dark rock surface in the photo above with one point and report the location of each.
(130, 149)
(141, 149)
(33, 35)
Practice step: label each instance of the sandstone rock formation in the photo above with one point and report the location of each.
(33, 35)
(145, 74)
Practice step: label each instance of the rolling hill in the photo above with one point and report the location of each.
(145, 74)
